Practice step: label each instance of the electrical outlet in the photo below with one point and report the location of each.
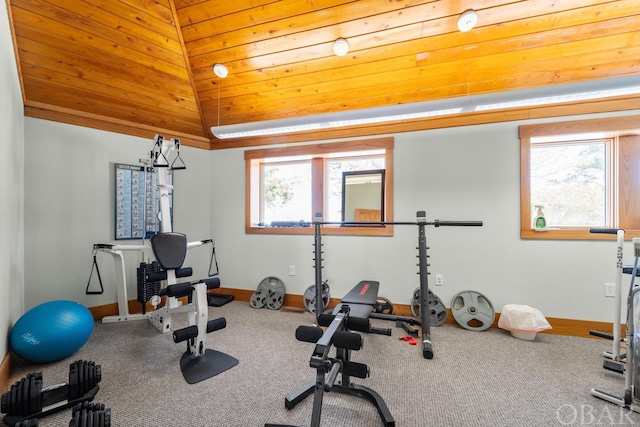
(439, 280)
(609, 289)
(292, 270)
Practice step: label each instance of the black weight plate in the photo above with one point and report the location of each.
(24, 397)
(84, 418)
(87, 384)
(35, 393)
(13, 407)
(75, 420)
(98, 374)
(80, 379)
(17, 404)
(92, 376)
(4, 402)
(73, 381)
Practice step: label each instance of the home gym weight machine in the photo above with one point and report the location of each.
(353, 313)
(198, 363)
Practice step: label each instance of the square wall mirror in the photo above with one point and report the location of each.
(363, 196)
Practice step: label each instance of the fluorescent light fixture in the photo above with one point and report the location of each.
(381, 119)
(556, 99)
(627, 85)
(269, 131)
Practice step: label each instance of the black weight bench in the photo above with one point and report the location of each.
(343, 323)
(364, 294)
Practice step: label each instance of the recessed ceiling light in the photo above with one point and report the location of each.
(467, 20)
(220, 71)
(340, 47)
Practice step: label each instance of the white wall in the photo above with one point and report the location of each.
(468, 173)
(11, 186)
(69, 206)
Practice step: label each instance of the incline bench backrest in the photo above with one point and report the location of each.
(365, 292)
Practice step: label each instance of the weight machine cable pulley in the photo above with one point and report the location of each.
(421, 222)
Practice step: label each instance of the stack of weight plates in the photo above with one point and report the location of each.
(270, 293)
(437, 310)
(309, 297)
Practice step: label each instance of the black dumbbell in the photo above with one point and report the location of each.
(28, 399)
(87, 414)
(24, 396)
(28, 423)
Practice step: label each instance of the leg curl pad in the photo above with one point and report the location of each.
(309, 333)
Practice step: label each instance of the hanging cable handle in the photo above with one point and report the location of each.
(178, 163)
(213, 260)
(94, 266)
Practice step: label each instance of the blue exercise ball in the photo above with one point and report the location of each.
(51, 331)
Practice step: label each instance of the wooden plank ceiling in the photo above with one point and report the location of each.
(145, 66)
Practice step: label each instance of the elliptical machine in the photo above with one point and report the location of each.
(614, 360)
(631, 397)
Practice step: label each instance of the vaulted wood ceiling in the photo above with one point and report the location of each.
(142, 67)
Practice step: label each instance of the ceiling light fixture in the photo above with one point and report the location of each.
(220, 71)
(341, 47)
(467, 20)
(619, 86)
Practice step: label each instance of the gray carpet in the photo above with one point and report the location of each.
(475, 379)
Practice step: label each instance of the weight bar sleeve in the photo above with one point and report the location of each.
(309, 333)
(604, 230)
(459, 223)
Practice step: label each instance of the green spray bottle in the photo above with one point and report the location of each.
(540, 222)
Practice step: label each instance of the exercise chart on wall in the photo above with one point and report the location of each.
(136, 202)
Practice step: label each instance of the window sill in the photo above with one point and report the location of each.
(326, 230)
(572, 234)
